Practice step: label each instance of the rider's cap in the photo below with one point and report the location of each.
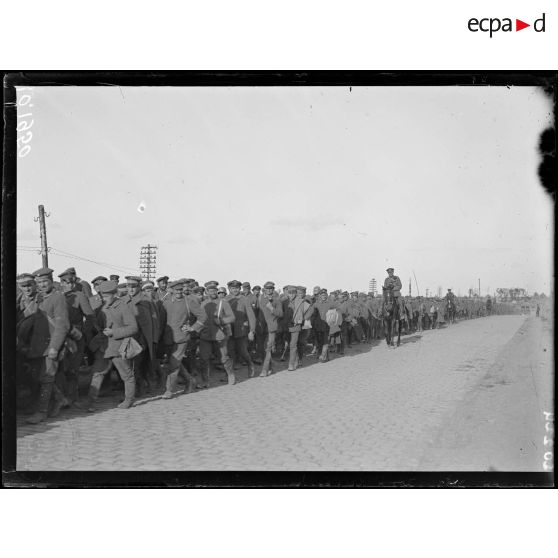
(389, 269)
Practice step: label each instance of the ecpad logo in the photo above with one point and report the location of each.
(493, 25)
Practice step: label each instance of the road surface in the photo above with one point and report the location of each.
(467, 397)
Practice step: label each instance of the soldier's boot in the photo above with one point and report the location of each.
(204, 373)
(266, 366)
(42, 408)
(93, 394)
(172, 381)
(59, 401)
(129, 393)
(73, 392)
(231, 378)
(190, 380)
(293, 358)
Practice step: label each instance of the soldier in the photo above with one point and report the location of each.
(441, 312)
(258, 344)
(181, 321)
(116, 322)
(122, 290)
(298, 312)
(271, 310)
(222, 292)
(50, 327)
(198, 292)
(79, 284)
(321, 325)
(162, 291)
(282, 337)
(145, 313)
(96, 300)
(393, 282)
(218, 317)
(346, 325)
(148, 287)
(25, 314)
(82, 323)
(114, 278)
(244, 327)
(355, 333)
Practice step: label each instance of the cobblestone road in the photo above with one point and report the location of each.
(383, 409)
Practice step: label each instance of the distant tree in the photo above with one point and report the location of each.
(535, 295)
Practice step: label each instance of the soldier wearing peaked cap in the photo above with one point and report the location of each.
(218, 317)
(322, 325)
(96, 301)
(116, 322)
(82, 323)
(114, 278)
(182, 319)
(162, 291)
(271, 310)
(25, 315)
(70, 275)
(394, 283)
(122, 290)
(146, 315)
(244, 326)
(50, 328)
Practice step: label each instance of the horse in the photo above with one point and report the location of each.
(391, 317)
(451, 311)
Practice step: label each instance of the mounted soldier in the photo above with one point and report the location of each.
(394, 283)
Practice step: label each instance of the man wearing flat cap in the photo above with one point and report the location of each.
(50, 328)
(115, 323)
(244, 326)
(146, 315)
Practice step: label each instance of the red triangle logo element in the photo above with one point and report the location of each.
(519, 25)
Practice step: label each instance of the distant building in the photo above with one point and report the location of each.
(511, 294)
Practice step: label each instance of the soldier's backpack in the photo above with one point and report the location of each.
(332, 317)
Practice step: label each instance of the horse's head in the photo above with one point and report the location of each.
(388, 293)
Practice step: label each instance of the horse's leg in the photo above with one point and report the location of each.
(399, 334)
(386, 330)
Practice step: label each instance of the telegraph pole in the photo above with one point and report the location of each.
(479, 288)
(42, 225)
(148, 261)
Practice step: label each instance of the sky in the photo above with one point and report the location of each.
(323, 186)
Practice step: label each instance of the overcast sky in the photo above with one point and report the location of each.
(306, 185)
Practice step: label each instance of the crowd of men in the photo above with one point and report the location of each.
(155, 335)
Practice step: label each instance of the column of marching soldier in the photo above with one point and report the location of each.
(182, 329)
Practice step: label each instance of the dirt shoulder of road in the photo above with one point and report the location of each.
(500, 424)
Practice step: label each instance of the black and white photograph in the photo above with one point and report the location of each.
(335, 275)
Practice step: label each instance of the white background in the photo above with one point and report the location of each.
(275, 35)
(291, 34)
